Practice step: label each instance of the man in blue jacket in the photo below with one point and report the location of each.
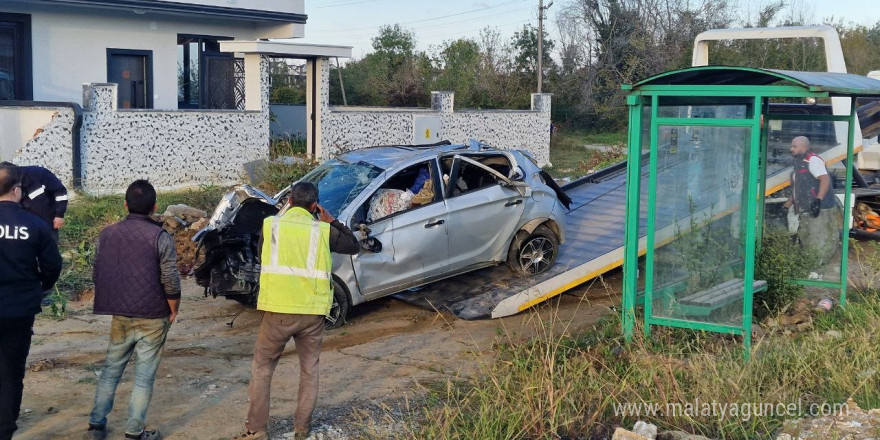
(29, 264)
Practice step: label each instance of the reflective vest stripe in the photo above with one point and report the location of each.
(287, 270)
(313, 246)
(61, 198)
(273, 243)
(35, 193)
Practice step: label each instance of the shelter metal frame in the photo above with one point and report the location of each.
(758, 87)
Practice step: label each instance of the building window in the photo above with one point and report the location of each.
(132, 70)
(16, 82)
(206, 77)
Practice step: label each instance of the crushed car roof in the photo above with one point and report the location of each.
(387, 156)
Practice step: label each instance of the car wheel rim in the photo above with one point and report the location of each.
(536, 255)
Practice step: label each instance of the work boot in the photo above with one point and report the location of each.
(259, 435)
(145, 435)
(95, 432)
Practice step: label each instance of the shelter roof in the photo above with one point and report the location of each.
(834, 83)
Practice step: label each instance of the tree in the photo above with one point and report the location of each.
(525, 45)
(457, 69)
(629, 40)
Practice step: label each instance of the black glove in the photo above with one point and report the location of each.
(815, 207)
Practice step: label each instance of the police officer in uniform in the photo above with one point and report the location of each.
(44, 195)
(29, 264)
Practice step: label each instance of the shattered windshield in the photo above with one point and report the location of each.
(340, 182)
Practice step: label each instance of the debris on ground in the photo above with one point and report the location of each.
(182, 222)
(647, 431)
(852, 423)
(680, 435)
(797, 318)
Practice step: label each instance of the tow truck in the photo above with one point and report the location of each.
(596, 220)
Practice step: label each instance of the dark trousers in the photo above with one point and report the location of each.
(15, 343)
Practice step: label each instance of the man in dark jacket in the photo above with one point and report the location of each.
(136, 281)
(44, 195)
(29, 264)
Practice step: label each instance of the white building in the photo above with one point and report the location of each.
(161, 53)
(106, 91)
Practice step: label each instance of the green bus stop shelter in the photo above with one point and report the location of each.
(708, 157)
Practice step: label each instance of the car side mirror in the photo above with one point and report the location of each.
(363, 229)
(371, 244)
(517, 174)
(368, 243)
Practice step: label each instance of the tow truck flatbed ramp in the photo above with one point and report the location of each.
(593, 246)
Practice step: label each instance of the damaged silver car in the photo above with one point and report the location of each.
(422, 214)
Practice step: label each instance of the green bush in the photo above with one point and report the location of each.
(286, 146)
(281, 174)
(781, 260)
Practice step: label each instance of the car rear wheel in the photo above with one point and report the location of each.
(533, 254)
(339, 308)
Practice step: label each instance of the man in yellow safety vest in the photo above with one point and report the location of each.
(295, 295)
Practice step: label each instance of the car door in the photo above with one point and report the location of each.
(485, 211)
(414, 243)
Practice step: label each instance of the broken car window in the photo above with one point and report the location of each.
(340, 182)
(410, 188)
(471, 177)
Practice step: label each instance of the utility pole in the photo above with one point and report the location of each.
(541, 9)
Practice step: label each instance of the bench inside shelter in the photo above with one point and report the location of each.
(706, 301)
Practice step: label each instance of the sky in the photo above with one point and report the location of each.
(355, 22)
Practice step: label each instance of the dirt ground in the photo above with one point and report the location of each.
(372, 369)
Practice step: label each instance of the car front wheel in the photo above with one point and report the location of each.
(339, 308)
(533, 254)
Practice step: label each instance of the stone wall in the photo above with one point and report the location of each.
(51, 146)
(173, 149)
(346, 128)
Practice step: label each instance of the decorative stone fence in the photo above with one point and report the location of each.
(348, 128)
(173, 149)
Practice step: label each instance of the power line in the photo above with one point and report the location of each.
(372, 29)
(443, 16)
(462, 34)
(469, 12)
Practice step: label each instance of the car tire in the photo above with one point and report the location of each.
(531, 254)
(340, 307)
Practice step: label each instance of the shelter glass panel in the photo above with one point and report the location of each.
(689, 107)
(698, 260)
(794, 179)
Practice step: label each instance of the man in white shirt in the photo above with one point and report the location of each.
(813, 200)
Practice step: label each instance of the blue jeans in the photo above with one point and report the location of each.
(144, 338)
